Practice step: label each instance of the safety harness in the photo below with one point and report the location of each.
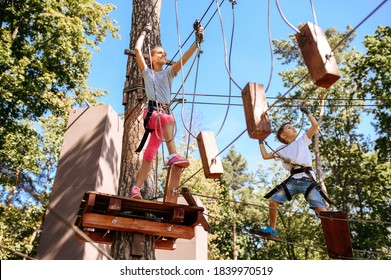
(314, 184)
(152, 106)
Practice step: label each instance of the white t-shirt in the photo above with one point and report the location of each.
(298, 153)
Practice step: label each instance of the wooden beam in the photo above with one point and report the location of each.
(191, 201)
(92, 220)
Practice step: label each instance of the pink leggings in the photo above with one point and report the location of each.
(155, 139)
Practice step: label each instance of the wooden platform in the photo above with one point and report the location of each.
(337, 234)
(100, 215)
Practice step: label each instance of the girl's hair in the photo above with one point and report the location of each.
(155, 48)
(279, 132)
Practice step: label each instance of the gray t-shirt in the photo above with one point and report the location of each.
(158, 84)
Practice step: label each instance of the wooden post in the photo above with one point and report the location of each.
(255, 106)
(317, 55)
(172, 183)
(213, 168)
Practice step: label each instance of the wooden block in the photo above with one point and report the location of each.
(92, 220)
(255, 106)
(211, 162)
(90, 200)
(177, 215)
(317, 55)
(172, 183)
(337, 234)
(114, 206)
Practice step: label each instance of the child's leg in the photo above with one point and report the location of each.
(169, 135)
(273, 213)
(319, 209)
(143, 172)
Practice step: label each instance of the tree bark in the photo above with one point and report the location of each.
(135, 246)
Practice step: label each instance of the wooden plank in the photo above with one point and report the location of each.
(255, 106)
(138, 247)
(317, 55)
(211, 162)
(172, 184)
(91, 220)
(137, 205)
(165, 244)
(98, 237)
(337, 234)
(86, 205)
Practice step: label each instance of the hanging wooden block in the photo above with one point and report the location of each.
(211, 162)
(337, 234)
(255, 106)
(172, 184)
(317, 55)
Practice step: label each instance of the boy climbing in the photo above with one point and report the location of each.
(297, 158)
(158, 118)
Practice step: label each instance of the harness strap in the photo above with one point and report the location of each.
(278, 188)
(152, 106)
(321, 192)
(285, 188)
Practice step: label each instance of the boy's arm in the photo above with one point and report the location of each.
(264, 153)
(139, 46)
(314, 123)
(186, 56)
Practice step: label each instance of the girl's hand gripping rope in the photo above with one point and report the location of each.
(199, 32)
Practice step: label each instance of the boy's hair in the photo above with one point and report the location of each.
(280, 130)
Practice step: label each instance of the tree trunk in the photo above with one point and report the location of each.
(235, 249)
(128, 246)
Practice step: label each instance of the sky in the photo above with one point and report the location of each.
(250, 57)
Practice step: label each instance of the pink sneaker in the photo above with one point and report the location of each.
(178, 161)
(135, 193)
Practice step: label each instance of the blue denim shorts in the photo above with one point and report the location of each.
(297, 186)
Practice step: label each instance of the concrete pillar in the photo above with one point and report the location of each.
(193, 249)
(89, 161)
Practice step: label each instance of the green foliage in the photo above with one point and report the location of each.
(45, 57)
(19, 226)
(373, 79)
